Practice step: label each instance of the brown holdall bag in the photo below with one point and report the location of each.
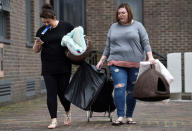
(151, 86)
(81, 58)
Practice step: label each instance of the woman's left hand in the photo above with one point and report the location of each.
(152, 60)
(150, 57)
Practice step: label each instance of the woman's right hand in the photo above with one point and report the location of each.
(99, 64)
(39, 42)
(37, 46)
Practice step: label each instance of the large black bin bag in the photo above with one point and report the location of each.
(104, 101)
(85, 85)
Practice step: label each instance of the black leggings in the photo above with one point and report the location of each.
(56, 85)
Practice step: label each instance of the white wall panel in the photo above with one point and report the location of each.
(174, 66)
(188, 71)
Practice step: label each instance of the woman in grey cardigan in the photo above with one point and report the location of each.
(127, 44)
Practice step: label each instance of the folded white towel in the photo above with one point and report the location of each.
(145, 65)
(75, 41)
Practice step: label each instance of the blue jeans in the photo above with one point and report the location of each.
(124, 80)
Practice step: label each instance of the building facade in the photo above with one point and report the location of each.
(168, 23)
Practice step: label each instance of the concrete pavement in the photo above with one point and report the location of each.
(32, 115)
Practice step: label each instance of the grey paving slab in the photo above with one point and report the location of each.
(33, 115)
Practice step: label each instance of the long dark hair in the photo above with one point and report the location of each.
(47, 12)
(128, 8)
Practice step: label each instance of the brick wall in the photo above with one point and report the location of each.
(20, 63)
(169, 25)
(100, 14)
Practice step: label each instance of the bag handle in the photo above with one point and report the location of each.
(152, 66)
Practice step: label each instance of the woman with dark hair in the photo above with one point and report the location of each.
(56, 67)
(127, 44)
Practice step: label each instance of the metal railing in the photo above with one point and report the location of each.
(92, 58)
(161, 58)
